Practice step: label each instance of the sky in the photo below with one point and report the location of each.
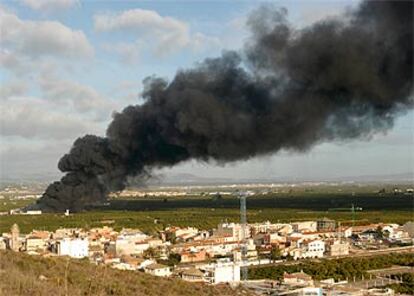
(67, 65)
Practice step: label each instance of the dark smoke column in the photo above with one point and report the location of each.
(289, 89)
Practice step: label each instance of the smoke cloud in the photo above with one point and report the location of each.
(338, 79)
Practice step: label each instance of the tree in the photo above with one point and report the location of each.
(275, 254)
(149, 253)
(217, 197)
(379, 233)
(174, 259)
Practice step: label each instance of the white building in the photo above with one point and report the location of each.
(251, 252)
(308, 249)
(222, 272)
(72, 247)
(345, 231)
(33, 212)
(158, 270)
(381, 292)
(310, 291)
(3, 243)
(314, 249)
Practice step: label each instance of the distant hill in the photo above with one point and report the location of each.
(22, 274)
(191, 179)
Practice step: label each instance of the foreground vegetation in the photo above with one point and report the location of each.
(28, 275)
(339, 269)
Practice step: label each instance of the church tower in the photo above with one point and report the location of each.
(15, 234)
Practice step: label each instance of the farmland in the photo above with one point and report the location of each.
(205, 212)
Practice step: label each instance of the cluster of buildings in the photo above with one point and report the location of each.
(21, 192)
(209, 256)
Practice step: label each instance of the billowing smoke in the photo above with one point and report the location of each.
(338, 79)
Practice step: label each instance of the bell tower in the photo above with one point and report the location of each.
(15, 234)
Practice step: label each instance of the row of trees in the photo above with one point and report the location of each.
(339, 269)
(407, 285)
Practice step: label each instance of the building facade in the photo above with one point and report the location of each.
(73, 247)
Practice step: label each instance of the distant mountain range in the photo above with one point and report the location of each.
(191, 179)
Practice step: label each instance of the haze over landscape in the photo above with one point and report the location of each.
(85, 69)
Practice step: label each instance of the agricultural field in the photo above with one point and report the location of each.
(152, 214)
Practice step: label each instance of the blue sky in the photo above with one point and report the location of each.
(66, 65)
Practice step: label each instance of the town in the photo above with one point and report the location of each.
(222, 255)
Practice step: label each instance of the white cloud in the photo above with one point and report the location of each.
(141, 21)
(127, 92)
(201, 41)
(49, 5)
(10, 61)
(238, 23)
(35, 39)
(13, 88)
(167, 34)
(80, 98)
(127, 85)
(129, 53)
(33, 118)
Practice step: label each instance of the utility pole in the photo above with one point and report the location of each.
(353, 215)
(243, 222)
(338, 231)
(353, 209)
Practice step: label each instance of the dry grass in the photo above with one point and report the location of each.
(21, 274)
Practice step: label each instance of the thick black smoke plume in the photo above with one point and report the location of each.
(288, 89)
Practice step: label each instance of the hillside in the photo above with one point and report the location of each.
(22, 274)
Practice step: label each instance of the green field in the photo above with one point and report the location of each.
(207, 212)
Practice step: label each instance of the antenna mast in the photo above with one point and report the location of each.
(243, 222)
